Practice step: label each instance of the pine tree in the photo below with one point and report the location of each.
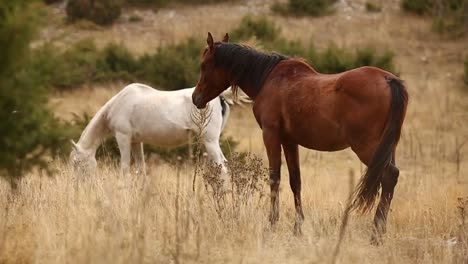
(28, 131)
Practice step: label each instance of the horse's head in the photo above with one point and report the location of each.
(213, 79)
(83, 162)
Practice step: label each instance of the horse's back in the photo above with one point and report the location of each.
(326, 111)
(162, 118)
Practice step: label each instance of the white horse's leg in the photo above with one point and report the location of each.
(138, 156)
(215, 154)
(124, 142)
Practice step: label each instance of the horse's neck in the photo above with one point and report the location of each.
(94, 133)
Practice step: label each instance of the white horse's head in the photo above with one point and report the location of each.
(83, 162)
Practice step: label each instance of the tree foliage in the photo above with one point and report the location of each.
(28, 131)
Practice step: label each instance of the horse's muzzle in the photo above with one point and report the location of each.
(197, 101)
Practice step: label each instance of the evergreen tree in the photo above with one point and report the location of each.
(28, 131)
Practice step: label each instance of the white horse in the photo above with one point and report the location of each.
(140, 114)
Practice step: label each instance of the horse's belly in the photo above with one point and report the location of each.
(326, 137)
(163, 138)
(324, 144)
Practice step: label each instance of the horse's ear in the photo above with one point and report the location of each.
(226, 38)
(209, 41)
(75, 146)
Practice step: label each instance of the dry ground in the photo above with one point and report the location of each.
(110, 219)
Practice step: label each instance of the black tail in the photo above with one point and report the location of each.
(368, 188)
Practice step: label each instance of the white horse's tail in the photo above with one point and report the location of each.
(240, 98)
(97, 127)
(225, 111)
(228, 98)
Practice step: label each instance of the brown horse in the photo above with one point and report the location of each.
(295, 105)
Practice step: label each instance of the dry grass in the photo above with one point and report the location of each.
(136, 219)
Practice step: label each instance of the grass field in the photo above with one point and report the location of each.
(158, 219)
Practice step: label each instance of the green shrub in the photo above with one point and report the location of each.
(69, 69)
(29, 133)
(373, 7)
(52, 1)
(101, 12)
(147, 3)
(261, 28)
(173, 67)
(419, 7)
(162, 3)
(448, 16)
(369, 57)
(116, 63)
(334, 60)
(304, 7)
(290, 48)
(84, 63)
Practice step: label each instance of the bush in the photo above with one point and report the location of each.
(69, 69)
(290, 48)
(419, 7)
(449, 16)
(304, 7)
(101, 12)
(373, 7)
(52, 1)
(162, 3)
(116, 63)
(173, 67)
(28, 132)
(369, 57)
(334, 60)
(84, 63)
(260, 28)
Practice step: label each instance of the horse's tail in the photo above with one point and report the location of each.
(225, 111)
(97, 122)
(368, 188)
(235, 96)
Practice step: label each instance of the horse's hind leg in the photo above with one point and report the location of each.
(389, 181)
(291, 152)
(139, 158)
(124, 142)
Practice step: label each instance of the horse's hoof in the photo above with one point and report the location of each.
(297, 230)
(376, 240)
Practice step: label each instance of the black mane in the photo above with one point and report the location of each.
(246, 66)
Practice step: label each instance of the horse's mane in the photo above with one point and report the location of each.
(245, 65)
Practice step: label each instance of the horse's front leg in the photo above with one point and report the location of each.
(215, 154)
(272, 143)
(124, 142)
(139, 158)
